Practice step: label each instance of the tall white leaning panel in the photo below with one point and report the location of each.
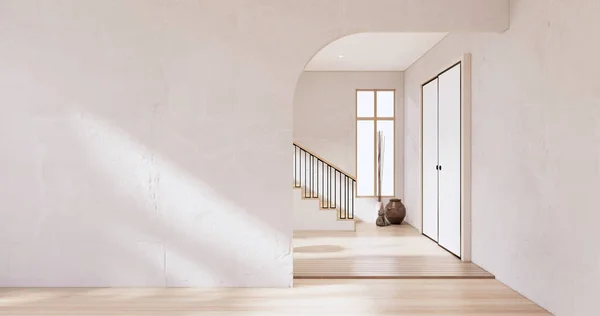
(430, 159)
(449, 157)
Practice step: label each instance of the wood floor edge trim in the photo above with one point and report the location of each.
(425, 277)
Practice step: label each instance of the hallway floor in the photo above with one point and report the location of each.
(308, 297)
(409, 275)
(397, 251)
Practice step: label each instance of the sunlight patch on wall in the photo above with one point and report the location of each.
(205, 236)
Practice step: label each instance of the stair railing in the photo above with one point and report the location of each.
(320, 179)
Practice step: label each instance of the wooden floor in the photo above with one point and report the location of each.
(391, 252)
(308, 297)
(376, 252)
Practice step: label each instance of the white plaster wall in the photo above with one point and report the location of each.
(325, 120)
(536, 150)
(139, 138)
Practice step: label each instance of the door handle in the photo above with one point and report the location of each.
(440, 168)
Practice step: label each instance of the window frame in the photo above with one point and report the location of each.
(374, 119)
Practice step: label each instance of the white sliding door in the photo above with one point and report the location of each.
(430, 159)
(449, 142)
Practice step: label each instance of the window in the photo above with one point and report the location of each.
(375, 112)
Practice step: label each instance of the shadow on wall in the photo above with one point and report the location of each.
(142, 219)
(208, 236)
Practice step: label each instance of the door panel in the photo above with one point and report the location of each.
(449, 141)
(430, 159)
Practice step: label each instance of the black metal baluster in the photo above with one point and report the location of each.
(325, 166)
(328, 186)
(331, 186)
(341, 204)
(318, 177)
(340, 208)
(341, 182)
(341, 199)
(313, 192)
(300, 168)
(326, 197)
(346, 198)
(315, 178)
(341, 177)
(352, 197)
(334, 188)
(302, 184)
(328, 190)
(323, 185)
(310, 176)
(309, 187)
(305, 163)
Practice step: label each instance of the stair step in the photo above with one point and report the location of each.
(321, 203)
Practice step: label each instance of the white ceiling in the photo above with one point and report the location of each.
(374, 52)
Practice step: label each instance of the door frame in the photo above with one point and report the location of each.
(465, 160)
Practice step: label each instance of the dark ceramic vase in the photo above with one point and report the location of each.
(395, 211)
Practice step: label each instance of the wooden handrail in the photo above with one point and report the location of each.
(325, 161)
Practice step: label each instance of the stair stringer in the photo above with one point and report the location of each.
(309, 215)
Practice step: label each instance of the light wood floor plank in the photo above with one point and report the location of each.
(308, 297)
(386, 253)
(376, 252)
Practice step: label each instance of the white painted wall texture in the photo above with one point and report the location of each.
(325, 120)
(139, 139)
(536, 150)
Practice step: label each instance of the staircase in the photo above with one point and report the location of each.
(324, 194)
